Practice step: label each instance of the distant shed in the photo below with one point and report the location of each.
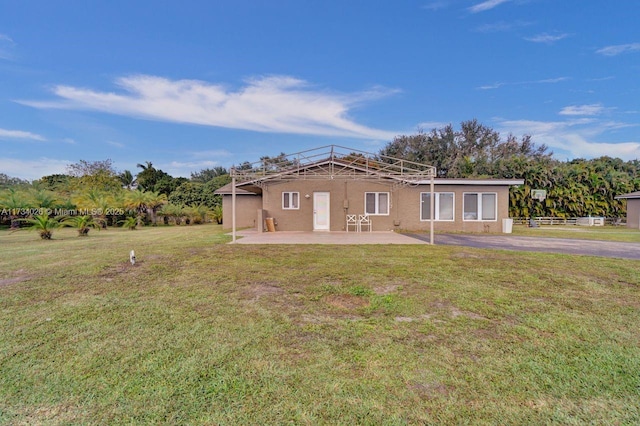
(633, 208)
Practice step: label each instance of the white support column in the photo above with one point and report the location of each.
(432, 203)
(233, 207)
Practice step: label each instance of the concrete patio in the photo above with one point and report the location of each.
(251, 236)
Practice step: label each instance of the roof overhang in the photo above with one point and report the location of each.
(228, 190)
(628, 196)
(476, 182)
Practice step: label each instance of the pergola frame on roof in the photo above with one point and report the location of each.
(332, 162)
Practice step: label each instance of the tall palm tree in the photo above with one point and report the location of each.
(128, 180)
(154, 201)
(137, 202)
(145, 202)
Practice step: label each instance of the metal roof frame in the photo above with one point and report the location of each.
(333, 162)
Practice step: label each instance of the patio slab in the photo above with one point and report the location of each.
(251, 236)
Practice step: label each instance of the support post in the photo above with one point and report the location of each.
(233, 206)
(432, 207)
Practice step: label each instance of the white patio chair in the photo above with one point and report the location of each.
(352, 221)
(364, 221)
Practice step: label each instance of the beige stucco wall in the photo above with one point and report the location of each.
(633, 213)
(246, 211)
(347, 197)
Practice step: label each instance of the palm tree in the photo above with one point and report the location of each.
(15, 203)
(128, 180)
(43, 199)
(173, 212)
(216, 214)
(95, 202)
(137, 202)
(43, 224)
(145, 202)
(82, 223)
(130, 222)
(147, 177)
(198, 213)
(154, 202)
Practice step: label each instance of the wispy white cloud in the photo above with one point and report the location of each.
(601, 78)
(592, 109)
(619, 49)
(574, 138)
(547, 38)
(6, 46)
(501, 26)
(486, 5)
(276, 104)
(497, 85)
(32, 169)
(20, 134)
(491, 86)
(548, 80)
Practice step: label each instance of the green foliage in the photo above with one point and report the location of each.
(130, 222)
(43, 224)
(82, 223)
(127, 180)
(216, 214)
(174, 213)
(473, 151)
(59, 183)
(192, 193)
(99, 175)
(15, 202)
(577, 188)
(144, 202)
(167, 184)
(7, 181)
(205, 175)
(198, 213)
(574, 189)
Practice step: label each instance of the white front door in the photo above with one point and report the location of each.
(320, 211)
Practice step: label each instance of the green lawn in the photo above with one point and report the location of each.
(202, 332)
(604, 233)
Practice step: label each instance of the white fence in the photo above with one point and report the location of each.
(584, 221)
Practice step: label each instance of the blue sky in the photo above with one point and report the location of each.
(195, 84)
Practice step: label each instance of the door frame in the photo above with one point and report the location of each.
(317, 227)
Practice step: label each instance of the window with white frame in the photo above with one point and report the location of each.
(376, 203)
(480, 206)
(290, 200)
(443, 205)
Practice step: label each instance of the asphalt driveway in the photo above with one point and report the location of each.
(549, 245)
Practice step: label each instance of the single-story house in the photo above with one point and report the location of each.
(633, 208)
(318, 190)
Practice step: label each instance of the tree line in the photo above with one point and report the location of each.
(95, 189)
(575, 188)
